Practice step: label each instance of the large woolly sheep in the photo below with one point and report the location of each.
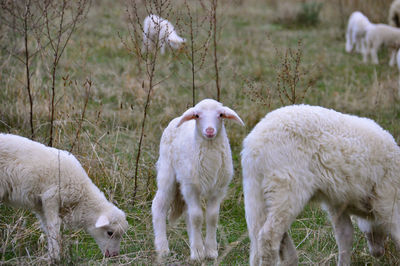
(378, 35)
(195, 162)
(159, 30)
(394, 14)
(357, 28)
(53, 184)
(300, 153)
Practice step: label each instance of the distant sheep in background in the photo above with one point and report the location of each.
(302, 153)
(379, 35)
(53, 184)
(394, 14)
(195, 162)
(155, 28)
(357, 28)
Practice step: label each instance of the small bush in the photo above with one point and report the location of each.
(293, 14)
(309, 13)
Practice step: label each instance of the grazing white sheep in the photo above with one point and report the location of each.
(159, 30)
(357, 28)
(195, 163)
(302, 153)
(53, 184)
(379, 35)
(394, 14)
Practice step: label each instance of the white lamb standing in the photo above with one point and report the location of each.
(357, 28)
(379, 35)
(302, 153)
(159, 30)
(394, 14)
(53, 184)
(195, 163)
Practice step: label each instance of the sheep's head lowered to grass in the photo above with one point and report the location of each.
(108, 230)
(209, 115)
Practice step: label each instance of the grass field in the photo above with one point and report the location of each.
(253, 38)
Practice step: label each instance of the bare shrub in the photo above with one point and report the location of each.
(198, 48)
(60, 21)
(197, 21)
(146, 59)
(23, 19)
(292, 80)
(45, 27)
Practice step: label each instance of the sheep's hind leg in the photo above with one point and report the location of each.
(283, 207)
(162, 201)
(255, 210)
(287, 252)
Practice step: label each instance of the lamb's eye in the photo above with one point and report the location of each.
(221, 115)
(196, 116)
(110, 233)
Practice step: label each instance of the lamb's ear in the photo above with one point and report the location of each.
(188, 115)
(102, 221)
(230, 114)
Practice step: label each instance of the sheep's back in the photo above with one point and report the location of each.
(28, 169)
(341, 155)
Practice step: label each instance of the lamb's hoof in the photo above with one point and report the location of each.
(161, 254)
(197, 253)
(377, 251)
(211, 253)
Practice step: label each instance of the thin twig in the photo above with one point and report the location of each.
(214, 22)
(88, 85)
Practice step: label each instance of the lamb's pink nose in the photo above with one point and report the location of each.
(209, 131)
(111, 254)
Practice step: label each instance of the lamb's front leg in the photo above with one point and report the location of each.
(344, 231)
(195, 220)
(392, 57)
(51, 222)
(212, 213)
(374, 55)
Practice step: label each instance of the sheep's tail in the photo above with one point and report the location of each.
(177, 205)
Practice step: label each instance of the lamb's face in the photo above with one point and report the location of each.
(177, 44)
(108, 232)
(208, 123)
(209, 115)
